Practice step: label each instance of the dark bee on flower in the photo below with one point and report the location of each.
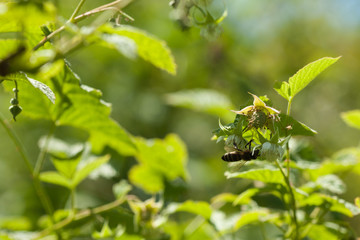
(242, 155)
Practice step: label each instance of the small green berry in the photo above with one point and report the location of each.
(15, 90)
(14, 101)
(15, 110)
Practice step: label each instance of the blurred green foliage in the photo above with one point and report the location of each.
(258, 43)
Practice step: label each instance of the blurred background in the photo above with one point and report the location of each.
(258, 43)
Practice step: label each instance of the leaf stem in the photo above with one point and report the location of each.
(293, 201)
(42, 155)
(80, 215)
(76, 11)
(73, 200)
(45, 201)
(19, 147)
(317, 216)
(289, 106)
(122, 3)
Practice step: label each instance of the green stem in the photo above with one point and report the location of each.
(316, 216)
(45, 201)
(72, 200)
(76, 11)
(42, 155)
(293, 201)
(289, 107)
(81, 17)
(17, 143)
(80, 215)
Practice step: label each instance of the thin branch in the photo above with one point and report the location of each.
(45, 201)
(119, 4)
(80, 215)
(293, 201)
(76, 11)
(42, 155)
(19, 146)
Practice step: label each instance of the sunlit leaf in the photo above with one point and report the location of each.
(121, 188)
(199, 208)
(162, 158)
(283, 89)
(264, 175)
(223, 198)
(357, 202)
(146, 178)
(305, 75)
(149, 47)
(245, 197)
(55, 178)
(88, 168)
(324, 231)
(105, 232)
(344, 160)
(15, 223)
(334, 203)
(43, 88)
(332, 183)
(253, 216)
(82, 107)
(64, 156)
(202, 100)
(352, 118)
(125, 45)
(289, 126)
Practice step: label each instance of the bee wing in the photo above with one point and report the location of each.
(235, 166)
(229, 148)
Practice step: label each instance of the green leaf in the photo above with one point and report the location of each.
(87, 169)
(121, 188)
(15, 224)
(23, 78)
(61, 149)
(352, 118)
(105, 232)
(129, 237)
(332, 183)
(283, 89)
(55, 178)
(264, 175)
(289, 126)
(253, 216)
(357, 202)
(342, 161)
(335, 204)
(159, 159)
(77, 106)
(223, 198)
(124, 45)
(305, 75)
(43, 88)
(149, 47)
(199, 208)
(146, 178)
(82, 107)
(245, 197)
(202, 100)
(328, 231)
(65, 156)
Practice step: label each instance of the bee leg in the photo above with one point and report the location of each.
(235, 145)
(249, 144)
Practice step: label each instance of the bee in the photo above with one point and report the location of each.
(243, 155)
